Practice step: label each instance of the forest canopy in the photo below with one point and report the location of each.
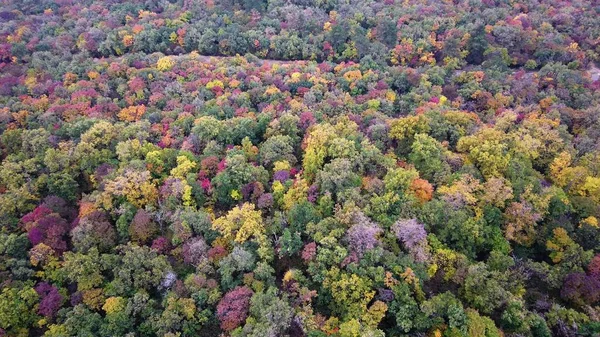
(302, 168)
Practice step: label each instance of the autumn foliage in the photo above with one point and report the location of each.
(299, 168)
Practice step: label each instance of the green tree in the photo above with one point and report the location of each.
(17, 313)
(427, 156)
(270, 315)
(136, 268)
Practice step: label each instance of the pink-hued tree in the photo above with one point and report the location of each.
(195, 250)
(45, 226)
(232, 310)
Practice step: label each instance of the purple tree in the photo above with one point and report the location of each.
(265, 201)
(60, 206)
(581, 289)
(313, 193)
(363, 235)
(385, 295)
(161, 245)
(51, 299)
(45, 226)
(414, 237)
(194, 251)
(282, 175)
(142, 227)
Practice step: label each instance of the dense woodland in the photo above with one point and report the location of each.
(344, 168)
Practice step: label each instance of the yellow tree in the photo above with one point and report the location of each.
(316, 148)
(558, 244)
(591, 188)
(296, 194)
(350, 294)
(571, 178)
(165, 63)
(137, 187)
(328, 141)
(405, 128)
(241, 224)
(521, 220)
(184, 166)
(487, 150)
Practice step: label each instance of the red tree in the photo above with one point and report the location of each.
(232, 309)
